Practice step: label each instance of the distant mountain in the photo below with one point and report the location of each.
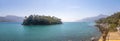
(93, 19)
(11, 18)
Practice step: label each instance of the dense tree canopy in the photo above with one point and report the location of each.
(41, 20)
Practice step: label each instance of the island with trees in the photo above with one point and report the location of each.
(108, 25)
(41, 20)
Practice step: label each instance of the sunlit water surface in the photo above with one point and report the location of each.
(68, 31)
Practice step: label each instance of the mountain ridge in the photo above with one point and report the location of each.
(11, 18)
(93, 19)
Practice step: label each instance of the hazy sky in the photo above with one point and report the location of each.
(67, 10)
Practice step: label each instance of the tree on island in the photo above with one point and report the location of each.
(109, 24)
(41, 20)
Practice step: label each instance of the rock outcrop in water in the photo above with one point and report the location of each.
(41, 20)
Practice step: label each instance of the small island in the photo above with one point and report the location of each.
(41, 20)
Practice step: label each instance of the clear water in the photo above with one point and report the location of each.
(68, 31)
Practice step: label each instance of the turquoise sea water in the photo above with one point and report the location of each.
(68, 31)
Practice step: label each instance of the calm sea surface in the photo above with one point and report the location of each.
(68, 31)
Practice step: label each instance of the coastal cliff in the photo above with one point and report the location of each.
(108, 25)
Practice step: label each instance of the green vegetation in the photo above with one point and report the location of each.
(113, 21)
(41, 20)
(108, 24)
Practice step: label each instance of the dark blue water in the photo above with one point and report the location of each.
(68, 31)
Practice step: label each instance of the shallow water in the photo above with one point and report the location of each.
(68, 31)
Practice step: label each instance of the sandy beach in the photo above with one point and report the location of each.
(113, 36)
